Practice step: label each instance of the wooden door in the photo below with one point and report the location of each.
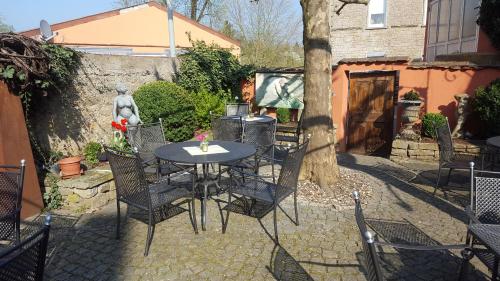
(370, 113)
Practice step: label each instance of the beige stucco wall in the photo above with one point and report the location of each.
(404, 34)
(143, 28)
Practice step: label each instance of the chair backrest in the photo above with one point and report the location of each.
(261, 135)
(445, 143)
(290, 169)
(485, 195)
(227, 128)
(146, 137)
(26, 260)
(11, 191)
(371, 259)
(240, 109)
(129, 176)
(299, 123)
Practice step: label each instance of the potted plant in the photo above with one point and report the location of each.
(411, 103)
(70, 167)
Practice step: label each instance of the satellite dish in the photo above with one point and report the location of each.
(46, 31)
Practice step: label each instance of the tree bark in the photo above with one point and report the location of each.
(194, 8)
(320, 164)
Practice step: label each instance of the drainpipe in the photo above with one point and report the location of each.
(171, 36)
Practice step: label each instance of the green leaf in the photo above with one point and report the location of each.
(9, 72)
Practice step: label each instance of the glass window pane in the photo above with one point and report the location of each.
(444, 18)
(376, 12)
(433, 23)
(470, 16)
(455, 15)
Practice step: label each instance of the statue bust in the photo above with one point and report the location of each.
(124, 106)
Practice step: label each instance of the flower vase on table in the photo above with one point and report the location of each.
(203, 141)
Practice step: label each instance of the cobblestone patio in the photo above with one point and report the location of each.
(325, 246)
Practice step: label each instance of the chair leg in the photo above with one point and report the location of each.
(464, 268)
(448, 178)
(275, 225)
(224, 225)
(151, 230)
(295, 207)
(437, 181)
(192, 214)
(117, 219)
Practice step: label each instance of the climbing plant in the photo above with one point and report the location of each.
(489, 20)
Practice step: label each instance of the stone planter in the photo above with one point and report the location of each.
(70, 167)
(411, 114)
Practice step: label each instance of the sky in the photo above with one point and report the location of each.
(26, 14)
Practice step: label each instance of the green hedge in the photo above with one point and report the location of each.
(283, 115)
(206, 102)
(429, 123)
(170, 102)
(487, 106)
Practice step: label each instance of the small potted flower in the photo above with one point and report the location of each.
(203, 141)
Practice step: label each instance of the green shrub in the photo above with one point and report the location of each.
(487, 106)
(411, 95)
(206, 102)
(212, 68)
(429, 123)
(52, 197)
(283, 115)
(91, 151)
(170, 102)
(489, 20)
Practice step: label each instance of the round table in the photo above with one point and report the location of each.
(178, 153)
(494, 141)
(257, 118)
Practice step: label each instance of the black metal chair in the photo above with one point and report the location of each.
(448, 158)
(373, 258)
(287, 133)
(144, 139)
(11, 192)
(26, 260)
(253, 187)
(239, 109)
(484, 208)
(161, 200)
(227, 128)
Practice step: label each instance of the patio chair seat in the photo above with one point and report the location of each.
(163, 193)
(262, 191)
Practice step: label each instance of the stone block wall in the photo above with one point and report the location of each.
(404, 34)
(84, 112)
(424, 151)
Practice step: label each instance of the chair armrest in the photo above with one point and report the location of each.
(471, 215)
(421, 247)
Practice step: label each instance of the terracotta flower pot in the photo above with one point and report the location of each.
(70, 167)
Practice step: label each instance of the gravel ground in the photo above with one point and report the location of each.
(339, 194)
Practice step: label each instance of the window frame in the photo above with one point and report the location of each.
(368, 17)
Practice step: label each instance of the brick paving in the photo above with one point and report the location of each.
(325, 246)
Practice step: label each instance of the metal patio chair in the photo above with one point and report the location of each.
(26, 260)
(484, 208)
(161, 200)
(448, 158)
(11, 192)
(227, 128)
(144, 139)
(290, 133)
(253, 187)
(372, 247)
(239, 109)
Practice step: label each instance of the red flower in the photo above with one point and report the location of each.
(114, 124)
(124, 122)
(123, 128)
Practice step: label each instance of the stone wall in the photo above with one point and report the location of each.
(404, 34)
(84, 112)
(425, 151)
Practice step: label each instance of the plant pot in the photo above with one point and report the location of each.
(411, 114)
(70, 167)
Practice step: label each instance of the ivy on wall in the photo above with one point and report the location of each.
(489, 20)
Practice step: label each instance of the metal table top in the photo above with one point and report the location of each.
(494, 141)
(489, 234)
(174, 152)
(257, 118)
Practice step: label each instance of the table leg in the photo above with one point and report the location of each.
(495, 269)
(204, 199)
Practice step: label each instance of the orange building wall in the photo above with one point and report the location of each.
(15, 145)
(437, 86)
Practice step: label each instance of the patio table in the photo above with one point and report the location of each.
(218, 152)
(257, 118)
(489, 235)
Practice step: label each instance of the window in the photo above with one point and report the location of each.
(452, 27)
(377, 13)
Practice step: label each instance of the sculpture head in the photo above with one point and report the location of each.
(121, 89)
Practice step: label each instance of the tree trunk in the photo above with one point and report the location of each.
(194, 8)
(320, 164)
